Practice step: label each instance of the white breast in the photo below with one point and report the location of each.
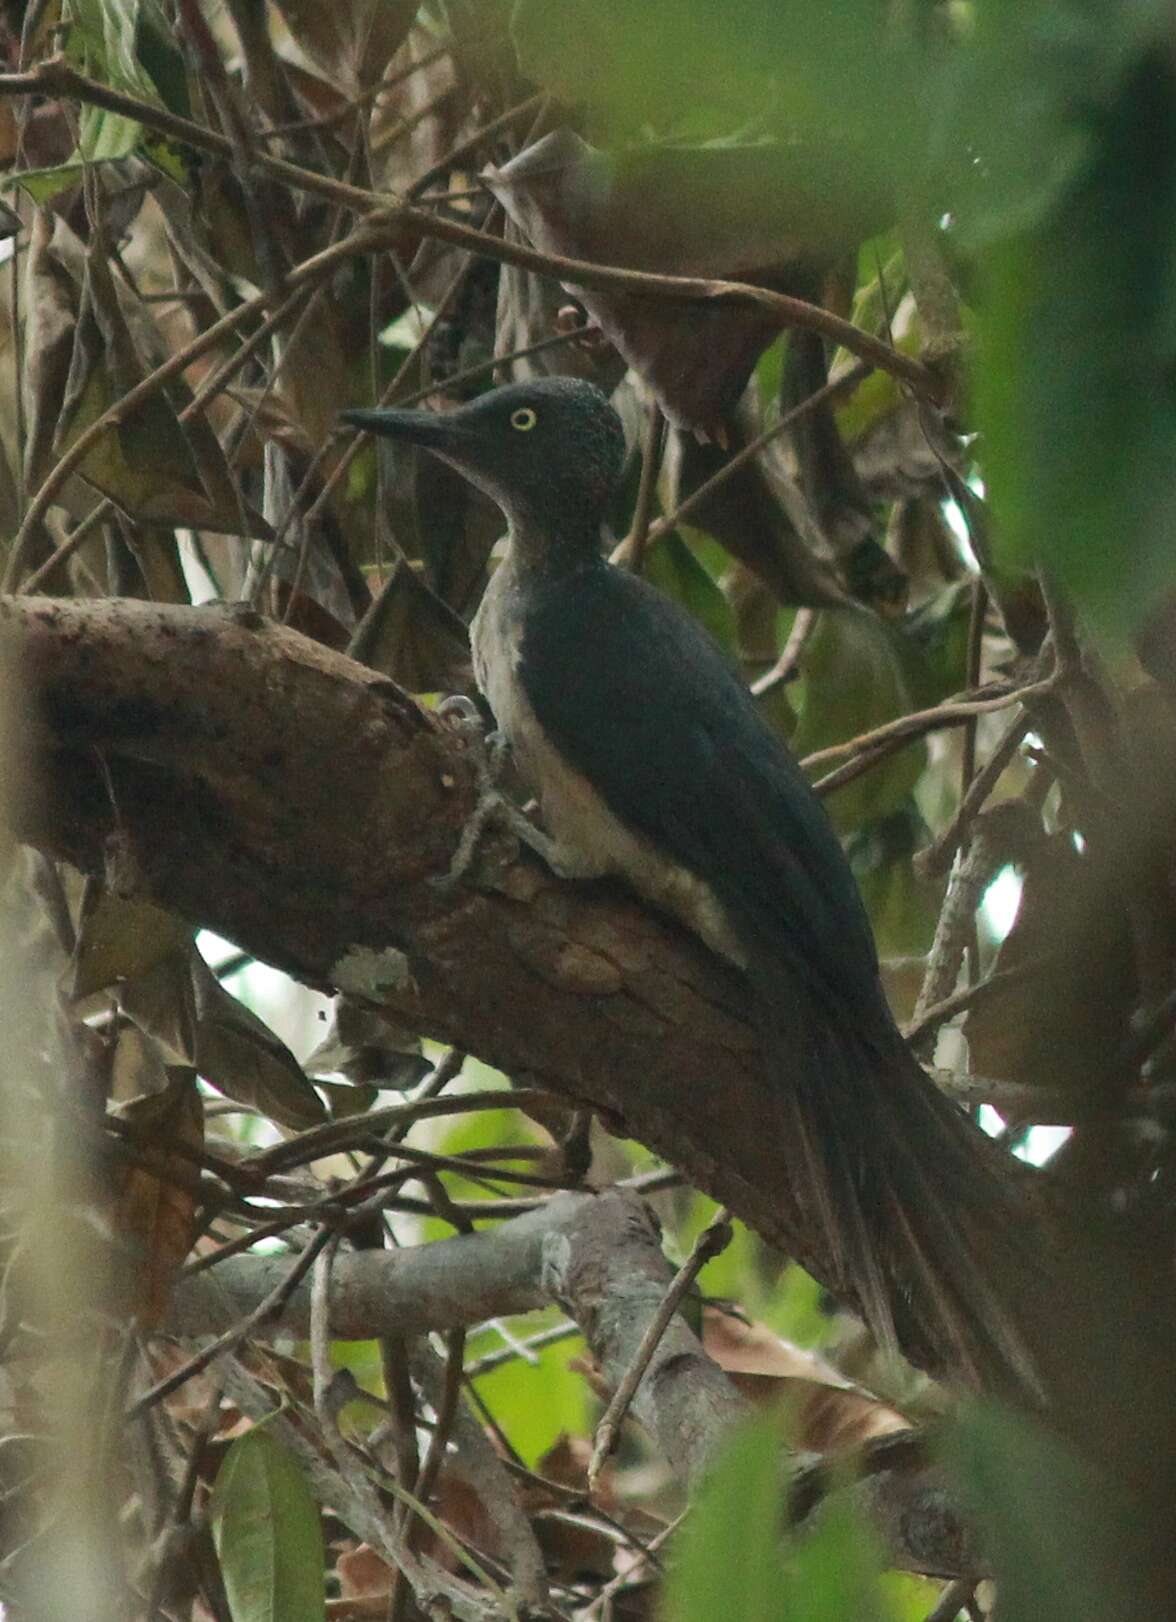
(591, 840)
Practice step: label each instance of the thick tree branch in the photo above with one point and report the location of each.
(298, 803)
(599, 1256)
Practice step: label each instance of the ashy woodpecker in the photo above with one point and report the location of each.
(651, 760)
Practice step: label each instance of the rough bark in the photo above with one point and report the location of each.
(301, 805)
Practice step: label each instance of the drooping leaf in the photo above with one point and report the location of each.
(854, 680)
(672, 566)
(368, 1047)
(769, 213)
(181, 1004)
(156, 1207)
(267, 1532)
(756, 514)
(1069, 946)
(352, 40)
(153, 467)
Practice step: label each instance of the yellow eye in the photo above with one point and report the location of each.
(524, 419)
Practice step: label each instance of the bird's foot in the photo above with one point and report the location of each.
(488, 752)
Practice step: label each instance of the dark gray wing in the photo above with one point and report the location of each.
(639, 699)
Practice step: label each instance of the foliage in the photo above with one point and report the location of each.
(959, 564)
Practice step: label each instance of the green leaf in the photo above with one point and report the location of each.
(772, 63)
(110, 40)
(120, 938)
(854, 681)
(43, 185)
(833, 1575)
(1057, 1528)
(673, 568)
(268, 1536)
(1078, 339)
(732, 1560)
(903, 909)
(729, 1559)
(537, 1404)
(1027, 96)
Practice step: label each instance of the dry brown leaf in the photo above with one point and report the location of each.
(119, 938)
(761, 213)
(351, 40)
(1070, 948)
(830, 1413)
(155, 1211)
(751, 521)
(363, 1572)
(183, 1006)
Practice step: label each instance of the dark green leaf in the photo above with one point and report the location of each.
(672, 566)
(854, 681)
(1078, 331)
(1051, 1520)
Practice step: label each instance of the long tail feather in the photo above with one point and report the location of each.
(923, 1218)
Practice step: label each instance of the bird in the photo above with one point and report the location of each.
(651, 762)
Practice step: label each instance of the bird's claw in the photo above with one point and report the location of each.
(460, 714)
(488, 752)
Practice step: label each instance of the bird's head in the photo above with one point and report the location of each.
(549, 452)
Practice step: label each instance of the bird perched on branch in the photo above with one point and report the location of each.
(650, 760)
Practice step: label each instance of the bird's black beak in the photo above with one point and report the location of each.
(435, 430)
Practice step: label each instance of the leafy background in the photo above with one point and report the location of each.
(989, 188)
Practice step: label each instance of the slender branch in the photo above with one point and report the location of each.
(396, 217)
(954, 712)
(600, 1255)
(710, 1243)
(55, 77)
(845, 384)
(81, 533)
(788, 663)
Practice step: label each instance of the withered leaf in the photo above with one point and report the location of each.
(1060, 1020)
(181, 1003)
(366, 1047)
(155, 1211)
(763, 213)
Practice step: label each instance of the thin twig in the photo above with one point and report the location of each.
(955, 1002)
(395, 218)
(320, 1325)
(953, 1600)
(953, 712)
(44, 571)
(270, 1307)
(785, 668)
(936, 858)
(463, 149)
(651, 454)
(845, 384)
